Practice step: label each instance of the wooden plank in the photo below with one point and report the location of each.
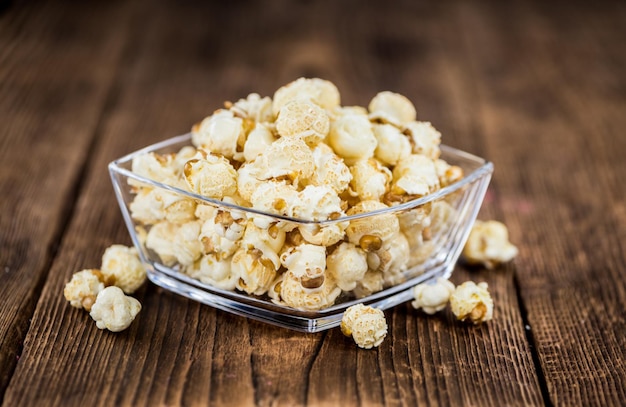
(53, 87)
(179, 352)
(554, 103)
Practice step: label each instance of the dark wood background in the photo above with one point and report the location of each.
(539, 88)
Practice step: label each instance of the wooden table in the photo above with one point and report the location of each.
(537, 88)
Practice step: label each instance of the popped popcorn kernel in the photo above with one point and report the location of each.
(432, 297)
(392, 144)
(415, 175)
(253, 107)
(330, 169)
(303, 119)
(371, 233)
(287, 158)
(319, 91)
(473, 302)
(425, 138)
(121, 265)
(81, 291)
(113, 310)
(365, 324)
(393, 108)
(370, 179)
(213, 177)
(255, 271)
(488, 244)
(259, 139)
(215, 271)
(352, 138)
(348, 265)
(220, 133)
(295, 293)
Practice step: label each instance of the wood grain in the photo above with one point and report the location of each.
(48, 121)
(536, 88)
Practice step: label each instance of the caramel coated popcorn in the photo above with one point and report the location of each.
(299, 154)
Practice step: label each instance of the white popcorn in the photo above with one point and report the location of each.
(255, 272)
(213, 271)
(393, 108)
(352, 138)
(254, 108)
(442, 217)
(392, 144)
(213, 177)
(293, 293)
(473, 302)
(425, 139)
(432, 297)
(348, 265)
(176, 243)
(151, 205)
(321, 92)
(248, 180)
(303, 119)
(330, 169)
(269, 241)
(371, 283)
(287, 158)
(415, 219)
(157, 167)
(341, 111)
(488, 244)
(214, 243)
(317, 203)
(392, 260)
(448, 174)
(113, 310)
(323, 235)
(220, 133)
(306, 262)
(365, 324)
(259, 139)
(121, 266)
(370, 179)
(369, 233)
(81, 291)
(415, 175)
(277, 197)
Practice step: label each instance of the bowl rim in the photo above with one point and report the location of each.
(484, 166)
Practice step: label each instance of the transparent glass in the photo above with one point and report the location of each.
(433, 255)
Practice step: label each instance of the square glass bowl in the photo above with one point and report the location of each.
(433, 250)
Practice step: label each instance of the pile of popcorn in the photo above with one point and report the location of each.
(302, 155)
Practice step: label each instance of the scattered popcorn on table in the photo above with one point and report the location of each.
(114, 310)
(365, 324)
(432, 298)
(121, 267)
(488, 244)
(81, 291)
(473, 302)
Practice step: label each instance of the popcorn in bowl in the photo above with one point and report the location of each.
(293, 208)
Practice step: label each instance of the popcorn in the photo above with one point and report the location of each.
(321, 92)
(370, 233)
(220, 133)
(255, 271)
(352, 138)
(432, 298)
(415, 175)
(473, 302)
(113, 310)
(425, 139)
(303, 119)
(253, 107)
(330, 169)
(488, 244)
(288, 158)
(81, 291)
(392, 108)
(213, 177)
(370, 179)
(121, 266)
(392, 145)
(259, 139)
(365, 324)
(215, 271)
(302, 155)
(293, 293)
(348, 265)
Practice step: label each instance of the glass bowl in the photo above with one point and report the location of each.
(432, 250)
